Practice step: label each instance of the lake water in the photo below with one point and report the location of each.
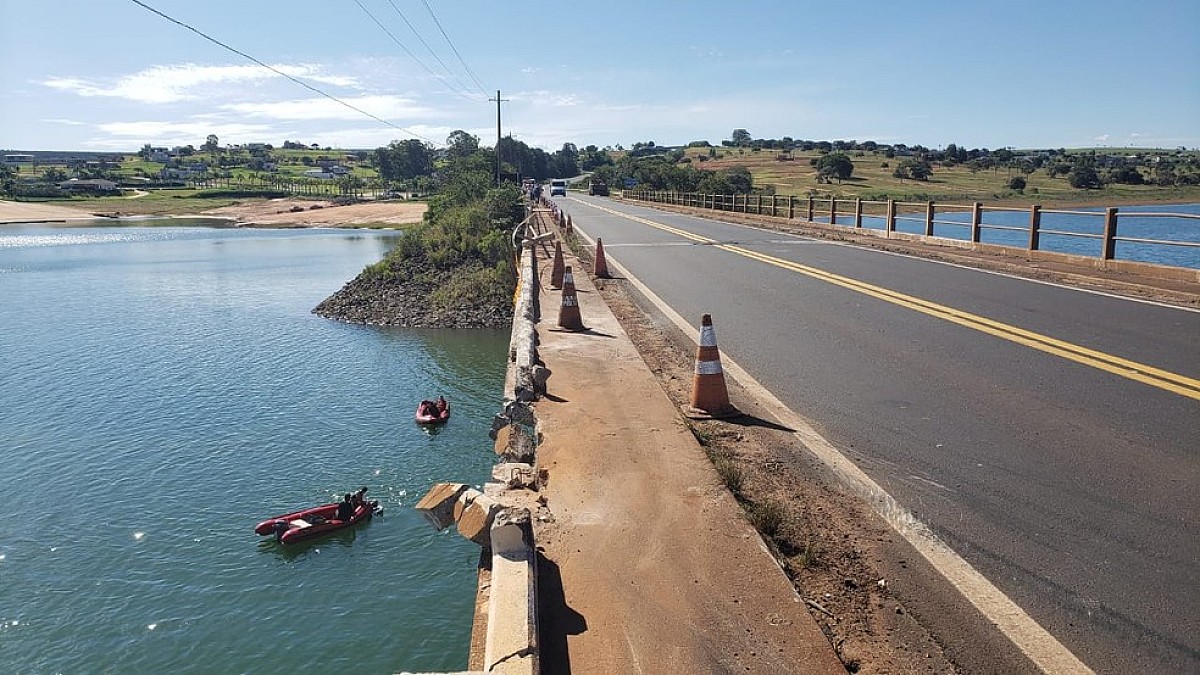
(958, 226)
(164, 389)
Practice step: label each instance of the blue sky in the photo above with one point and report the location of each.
(109, 75)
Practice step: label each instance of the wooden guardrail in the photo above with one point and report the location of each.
(885, 215)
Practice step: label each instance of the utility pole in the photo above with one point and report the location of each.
(498, 101)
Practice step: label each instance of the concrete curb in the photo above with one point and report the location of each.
(499, 518)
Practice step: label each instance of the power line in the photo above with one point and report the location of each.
(431, 51)
(408, 51)
(453, 48)
(280, 72)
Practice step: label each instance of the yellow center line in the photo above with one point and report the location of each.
(1155, 377)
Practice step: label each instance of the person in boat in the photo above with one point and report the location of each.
(359, 498)
(441, 405)
(345, 510)
(428, 409)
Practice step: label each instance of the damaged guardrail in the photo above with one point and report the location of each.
(498, 518)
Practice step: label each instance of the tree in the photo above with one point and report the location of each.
(913, 168)
(404, 160)
(835, 165)
(8, 180)
(461, 144)
(211, 143)
(1017, 183)
(740, 179)
(1084, 178)
(1127, 175)
(741, 137)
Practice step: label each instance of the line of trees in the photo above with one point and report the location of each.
(668, 171)
(412, 160)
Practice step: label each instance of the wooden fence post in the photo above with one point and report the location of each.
(810, 209)
(891, 216)
(858, 213)
(929, 219)
(791, 206)
(773, 209)
(1109, 250)
(1035, 225)
(833, 210)
(976, 221)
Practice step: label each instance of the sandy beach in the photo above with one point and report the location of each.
(319, 213)
(21, 212)
(270, 213)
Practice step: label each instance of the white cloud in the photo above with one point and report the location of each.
(180, 82)
(122, 135)
(59, 120)
(386, 107)
(542, 97)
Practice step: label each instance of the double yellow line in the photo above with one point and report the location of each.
(1155, 377)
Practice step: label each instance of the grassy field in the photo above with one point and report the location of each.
(872, 179)
(153, 203)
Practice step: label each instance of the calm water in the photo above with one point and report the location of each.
(1158, 228)
(164, 389)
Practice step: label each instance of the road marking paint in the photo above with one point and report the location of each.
(1139, 372)
(1034, 641)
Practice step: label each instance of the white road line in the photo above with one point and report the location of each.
(1034, 641)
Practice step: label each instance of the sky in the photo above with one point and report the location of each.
(112, 75)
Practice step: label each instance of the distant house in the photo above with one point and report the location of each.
(18, 159)
(89, 185)
(332, 171)
(183, 172)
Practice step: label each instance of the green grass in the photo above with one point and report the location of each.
(767, 516)
(955, 184)
(155, 203)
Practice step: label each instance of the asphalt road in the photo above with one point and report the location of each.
(1070, 484)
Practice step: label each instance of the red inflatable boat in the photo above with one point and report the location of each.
(293, 527)
(442, 414)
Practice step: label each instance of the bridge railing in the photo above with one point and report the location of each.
(1099, 231)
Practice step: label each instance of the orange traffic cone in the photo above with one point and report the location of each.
(601, 268)
(556, 272)
(710, 398)
(568, 313)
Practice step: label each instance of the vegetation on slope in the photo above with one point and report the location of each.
(453, 270)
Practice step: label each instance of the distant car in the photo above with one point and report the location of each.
(558, 187)
(598, 188)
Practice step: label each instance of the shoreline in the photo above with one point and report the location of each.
(286, 213)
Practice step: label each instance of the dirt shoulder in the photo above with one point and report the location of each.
(290, 212)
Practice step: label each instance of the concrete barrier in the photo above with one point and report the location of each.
(497, 518)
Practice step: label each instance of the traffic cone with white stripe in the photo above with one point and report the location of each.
(601, 267)
(556, 272)
(568, 313)
(710, 398)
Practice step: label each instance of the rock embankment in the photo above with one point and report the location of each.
(413, 294)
